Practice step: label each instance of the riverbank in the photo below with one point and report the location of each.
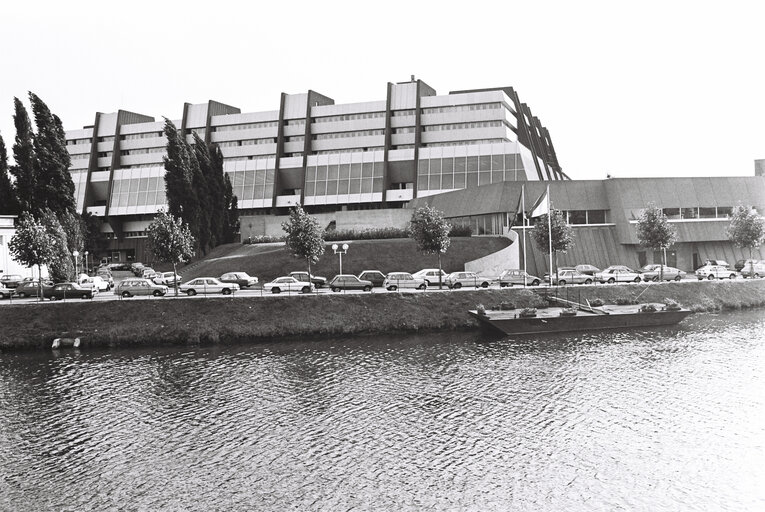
(168, 321)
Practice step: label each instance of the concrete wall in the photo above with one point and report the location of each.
(495, 263)
(358, 220)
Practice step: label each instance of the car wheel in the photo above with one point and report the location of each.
(125, 295)
(457, 286)
(733, 276)
(53, 297)
(588, 281)
(335, 289)
(306, 289)
(562, 282)
(367, 288)
(677, 278)
(392, 288)
(158, 293)
(276, 290)
(2, 296)
(423, 286)
(86, 296)
(427, 282)
(611, 280)
(756, 276)
(484, 285)
(22, 294)
(535, 282)
(637, 279)
(226, 291)
(711, 277)
(191, 292)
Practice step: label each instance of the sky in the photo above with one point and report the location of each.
(630, 89)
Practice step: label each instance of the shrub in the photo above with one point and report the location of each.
(262, 239)
(596, 303)
(366, 234)
(671, 305)
(528, 312)
(647, 308)
(568, 312)
(506, 306)
(481, 309)
(461, 231)
(624, 301)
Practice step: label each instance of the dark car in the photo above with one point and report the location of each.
(243, 279)
(68, 291)
(32, 288)
(375, 276)
(317, 281)
(349, 282)
(11, 280)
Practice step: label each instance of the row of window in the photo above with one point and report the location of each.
(471, 171)
(296, 138)
(462, 126)
(352, 150)
(106, 139)
(461, 108)
(295, 122)
(712, 212)
(142, 151)
(74, 142)
(138, 192)
(79, 156)
(147, 135)
(349, 117)
(406, 129)
(463, 143)
(246, 126)
(584, 216)
(246, 142)
(252, 184)
(399, 113)
(339, 135)
(341, 187)
(343, 171)
(105, 154)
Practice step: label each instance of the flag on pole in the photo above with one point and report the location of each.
(541, 206)
(518, 209)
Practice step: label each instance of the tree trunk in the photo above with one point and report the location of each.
(751, 263)
(309, 271)
(175, 279)
(440, 273)
(663, 262)
(39, 283)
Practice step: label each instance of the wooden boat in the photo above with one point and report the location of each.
(581, 317)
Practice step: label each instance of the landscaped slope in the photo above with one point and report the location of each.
(267, 261)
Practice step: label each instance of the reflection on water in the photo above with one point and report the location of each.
(670, 419)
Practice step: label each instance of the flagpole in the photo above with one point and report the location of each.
(523, 213)
(549, 230)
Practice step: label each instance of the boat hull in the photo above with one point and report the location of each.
(512, 324)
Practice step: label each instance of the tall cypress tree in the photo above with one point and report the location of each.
(231, 214)
(8, 203)
(178, 187)
(54, 186)
(201, 183)
(24, 157)
(217, 186)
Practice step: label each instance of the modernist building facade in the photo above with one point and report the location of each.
(330, 158)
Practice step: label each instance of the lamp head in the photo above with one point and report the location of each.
(334, 247)
(345, 247)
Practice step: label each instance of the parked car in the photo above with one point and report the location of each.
(430, 275)
(68, 291)
(167, 278)
(721, 263)
(590, 270)
(715, 272)
(617, 274)
(243, 279)
(94, 282)
(139, 286)
(520, 277)
(6, 292)
(114, 267)
(375, 276)
(107, 276)
(32, 288)
(136, 268)
(398, 280)
(349, 282)
(457, 280)
(10, 280)
(653, 272)
(740, 264)
(207, 285)
(148, 273)
(317, 281)
(754, 268)
(289, 284)
(571, 276)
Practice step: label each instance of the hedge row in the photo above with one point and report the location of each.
(366, 234)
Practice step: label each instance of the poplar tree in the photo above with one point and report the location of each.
(170, 240)
(8, 201)
(304, 239)
(430, 231)
(24, 157)
(655, 232)
(561, 233)
(216, 183)
(178, 188)
(231, 212)
(54, 188)
(201, 183)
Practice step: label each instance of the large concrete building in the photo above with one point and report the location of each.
(361, 165)
(331, 158)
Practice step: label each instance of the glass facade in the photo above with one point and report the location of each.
(252, 184)
(136, 192)
(458, 172)
(344, 178)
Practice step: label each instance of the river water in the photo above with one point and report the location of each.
(669, 419)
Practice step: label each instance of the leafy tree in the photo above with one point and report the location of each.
(178, 173)
(562, 235)
(60, 266)
(305, 239)
(54, 186)
(202, 187)
(8, 202)
(32, 245)
(24, 157)
(746, 229)
(94, 241)
(231, 213)
(430, 231)
(170, 240)
(655, 232)
(216, 183)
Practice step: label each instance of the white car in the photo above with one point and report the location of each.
(457, 280)
(6, 292)
(617, 274)
(95, 282)
(430, 275)
(714, 272)
(397, 280)
(288, 284)
(167, 278)
(207, 285)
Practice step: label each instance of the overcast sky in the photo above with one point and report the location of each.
(650, 89)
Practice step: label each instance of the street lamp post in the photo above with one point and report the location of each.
(86, 262)
(76, 254)
(340, 251)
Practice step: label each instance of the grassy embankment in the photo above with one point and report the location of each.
(399, 254)
(167, 321)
